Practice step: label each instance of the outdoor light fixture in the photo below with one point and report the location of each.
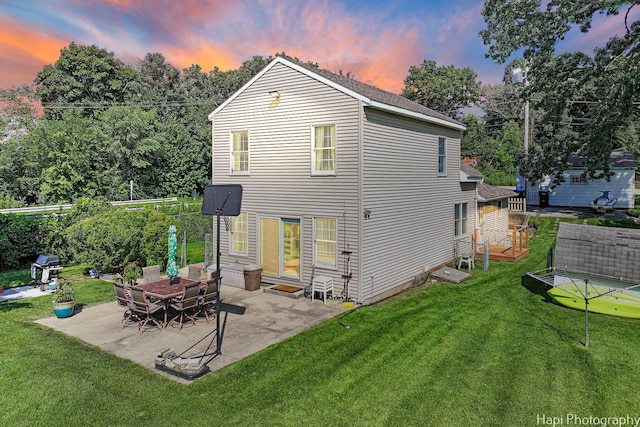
(276, 98)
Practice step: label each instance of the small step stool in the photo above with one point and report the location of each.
(322, 284)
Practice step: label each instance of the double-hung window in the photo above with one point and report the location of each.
(240, 152)
(461, 216)
(442, 155)
(323, 150)
(324, 245)
(239, 235)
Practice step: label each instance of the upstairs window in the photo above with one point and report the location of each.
(442, 155)
(240, 152)
(323, 150)
(461, 227)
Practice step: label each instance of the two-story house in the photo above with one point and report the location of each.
(342, 176)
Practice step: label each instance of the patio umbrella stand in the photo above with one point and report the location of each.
(218, 200)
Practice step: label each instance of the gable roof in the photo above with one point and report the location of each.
(487, 193)
(370, 96)
(468, 173)
(617, 160)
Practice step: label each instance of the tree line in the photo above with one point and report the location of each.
(107, 126)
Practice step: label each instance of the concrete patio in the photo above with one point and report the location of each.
(250, 321)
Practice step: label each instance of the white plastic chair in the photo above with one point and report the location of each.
(465, 255)
(322, 284)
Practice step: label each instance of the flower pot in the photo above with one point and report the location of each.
(63, 309)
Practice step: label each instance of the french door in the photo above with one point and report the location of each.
(280, 246)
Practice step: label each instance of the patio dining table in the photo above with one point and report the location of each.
(166, 289)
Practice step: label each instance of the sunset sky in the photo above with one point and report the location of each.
(376, 40)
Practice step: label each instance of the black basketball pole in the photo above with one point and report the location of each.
(219, 211)
(218, 281)
(215, 202)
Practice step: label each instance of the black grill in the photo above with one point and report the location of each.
(48, 260)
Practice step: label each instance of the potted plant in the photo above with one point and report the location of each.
(131, 274)
(64, 299)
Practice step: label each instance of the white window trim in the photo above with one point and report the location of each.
(444, 164)
(282, 219)
(231, 159)
(315, 172)
(238, 253)
(579, 180)
(333, 266)
(462, 234)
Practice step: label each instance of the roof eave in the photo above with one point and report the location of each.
(408, 113)
(366, 102)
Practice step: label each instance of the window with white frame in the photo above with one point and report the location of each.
(442, 155)
(325, 238)
(240, 152)
(461, 227)
(578, 180)
(239, 235)
(323, 150)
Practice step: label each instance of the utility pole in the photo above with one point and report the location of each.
(519, 76)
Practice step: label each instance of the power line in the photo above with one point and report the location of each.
(98, 106)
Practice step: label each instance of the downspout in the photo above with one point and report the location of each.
(359, 214)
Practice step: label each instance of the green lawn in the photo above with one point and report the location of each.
(492, 351)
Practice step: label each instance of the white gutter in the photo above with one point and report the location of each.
(415, 115)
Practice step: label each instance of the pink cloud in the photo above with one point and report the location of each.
(378, 50)
(603, 28)
(24, 51)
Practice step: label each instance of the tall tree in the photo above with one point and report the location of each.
(84, 76)
(157, 82)
(589, 103)
(445, 89)
(19, 111)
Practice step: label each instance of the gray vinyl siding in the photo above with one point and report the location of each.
(411, 227)
(496, 224)
(386, 163)
(280, 182)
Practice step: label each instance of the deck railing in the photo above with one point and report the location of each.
(515, 239)
(517, 204)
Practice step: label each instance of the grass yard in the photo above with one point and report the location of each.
(492, 351)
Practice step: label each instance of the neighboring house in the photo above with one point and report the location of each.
(493, 214)
(579, 191)
(341, 176)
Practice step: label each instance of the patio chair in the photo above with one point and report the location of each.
(151, 273)
(186, 304)
(144, 308)
(124, 300)
(209, 299)
(465, 253)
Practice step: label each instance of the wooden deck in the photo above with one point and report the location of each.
(503, 253)
(518, 249)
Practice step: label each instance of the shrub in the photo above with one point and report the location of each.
(21, 239)
(110, 239)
